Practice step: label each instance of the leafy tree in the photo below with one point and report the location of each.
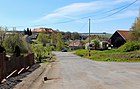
(41, 51)
(43, 38)
(75, 35)
(134, 38)
(13, 40)
(135, 32)
(48, 49)
(60, 43)
(38, 51)
(67, 36)
(53, 38)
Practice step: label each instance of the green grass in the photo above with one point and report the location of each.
(113, 55)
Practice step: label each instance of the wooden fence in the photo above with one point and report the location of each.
(14, 65)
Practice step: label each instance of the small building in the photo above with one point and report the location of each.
(76, 44)
(119, 38)
(105, 45)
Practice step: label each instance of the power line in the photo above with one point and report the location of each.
(83, 26)
(61, 22)
(105, 12)
(119, 10)
(121, 7)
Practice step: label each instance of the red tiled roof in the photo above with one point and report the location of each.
(123, 33)
(75, 43)
(43, 29)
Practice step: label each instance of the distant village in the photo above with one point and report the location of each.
(81, 40)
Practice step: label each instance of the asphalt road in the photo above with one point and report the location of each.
(73, 72)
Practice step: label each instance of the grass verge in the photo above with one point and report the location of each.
(113, 55)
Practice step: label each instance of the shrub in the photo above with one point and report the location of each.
(130, 46)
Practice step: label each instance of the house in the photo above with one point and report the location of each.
(76, 44)
(36, 31)
(119, 38)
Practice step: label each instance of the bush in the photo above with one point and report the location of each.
(130, 46)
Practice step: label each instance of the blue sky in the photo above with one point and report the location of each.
(49, 13)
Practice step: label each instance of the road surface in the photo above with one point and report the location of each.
(73, 72)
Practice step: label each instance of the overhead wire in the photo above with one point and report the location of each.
(119, 9)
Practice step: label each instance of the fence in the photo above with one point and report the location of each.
(14, 65)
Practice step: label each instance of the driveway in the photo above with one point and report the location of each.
(73, 72)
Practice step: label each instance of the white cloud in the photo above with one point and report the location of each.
(74, 9)
(77, 10)
(78, 7)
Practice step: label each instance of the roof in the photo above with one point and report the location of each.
(124, 33)
(43, 29)
(75, 43)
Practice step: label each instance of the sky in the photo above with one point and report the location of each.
(69, 15)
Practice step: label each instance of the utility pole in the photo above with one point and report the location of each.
(73, 43)
(89, 37)
(139, 13)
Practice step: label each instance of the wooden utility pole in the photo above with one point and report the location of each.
(139, 13)
(89, 37)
